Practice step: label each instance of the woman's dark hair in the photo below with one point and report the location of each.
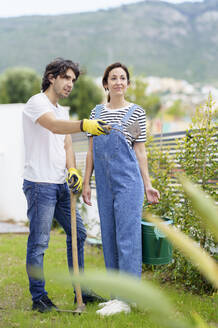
(58, 66)
(107, 71)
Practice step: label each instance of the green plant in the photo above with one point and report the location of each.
(207, 210)
(133, 290)
(18, 84)
(196, 156)
(161, 168)
(177, 109)
(136, 93)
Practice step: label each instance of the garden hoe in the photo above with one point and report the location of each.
(133, 129)
(80, 305)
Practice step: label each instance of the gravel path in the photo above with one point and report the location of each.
(6, 227)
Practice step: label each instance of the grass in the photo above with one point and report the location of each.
(15, 301)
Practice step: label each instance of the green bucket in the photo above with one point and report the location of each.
(156, 249)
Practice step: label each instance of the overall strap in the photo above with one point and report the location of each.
(129, 113)
(98, 109)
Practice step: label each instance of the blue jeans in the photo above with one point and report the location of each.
(46, 201)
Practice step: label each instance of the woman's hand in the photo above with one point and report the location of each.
(153, 195)
(86, 194)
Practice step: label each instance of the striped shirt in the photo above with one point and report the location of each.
(114, 116)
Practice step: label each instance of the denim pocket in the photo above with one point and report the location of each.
(28, 189)
(107, 147)
(46, 193)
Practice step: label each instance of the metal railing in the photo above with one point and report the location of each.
(166, 142)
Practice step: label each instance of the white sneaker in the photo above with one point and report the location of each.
(106, 303)
(114, 307)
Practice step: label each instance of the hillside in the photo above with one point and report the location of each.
(153, 37)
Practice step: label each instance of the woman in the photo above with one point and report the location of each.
(122, 178)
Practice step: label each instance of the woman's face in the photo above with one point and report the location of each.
(117, 82)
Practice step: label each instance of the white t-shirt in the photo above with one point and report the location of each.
(45, 156)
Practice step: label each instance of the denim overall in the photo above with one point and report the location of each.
(120, 195)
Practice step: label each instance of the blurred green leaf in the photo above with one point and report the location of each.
(142, 293)
(198, 321)
(202, 204)
(199, 257)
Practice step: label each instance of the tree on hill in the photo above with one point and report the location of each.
(18, 84)
(85, 95)
(177, 109)
(137, 94)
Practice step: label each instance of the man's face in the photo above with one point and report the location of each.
(63, 85)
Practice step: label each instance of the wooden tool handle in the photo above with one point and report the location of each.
(74, 246)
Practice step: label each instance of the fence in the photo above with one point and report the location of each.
(166, 142)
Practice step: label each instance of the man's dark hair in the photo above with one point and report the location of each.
(58, 66)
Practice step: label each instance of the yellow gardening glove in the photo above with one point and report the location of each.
(95, 127)
(74, 180)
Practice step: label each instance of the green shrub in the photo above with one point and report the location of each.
(18, 84)
(196, 156)
(162, 168)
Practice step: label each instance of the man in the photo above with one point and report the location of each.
(48, 154)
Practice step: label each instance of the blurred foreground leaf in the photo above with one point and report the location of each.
(199, 257)
(202, 204)
(198, 321)
(143, 293)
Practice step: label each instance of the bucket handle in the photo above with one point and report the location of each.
(147, 204)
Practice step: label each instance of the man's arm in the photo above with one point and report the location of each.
(95, 127)
(70, 155)
(49, 121)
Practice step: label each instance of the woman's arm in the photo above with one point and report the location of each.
(86, 194)
(151, 193)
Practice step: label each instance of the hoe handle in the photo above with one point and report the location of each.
(74, 247)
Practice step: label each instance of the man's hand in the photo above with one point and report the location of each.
(74, 180)
(95, 127)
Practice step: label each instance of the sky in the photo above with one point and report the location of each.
(13, 8)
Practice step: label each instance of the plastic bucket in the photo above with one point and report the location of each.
(156, 249)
